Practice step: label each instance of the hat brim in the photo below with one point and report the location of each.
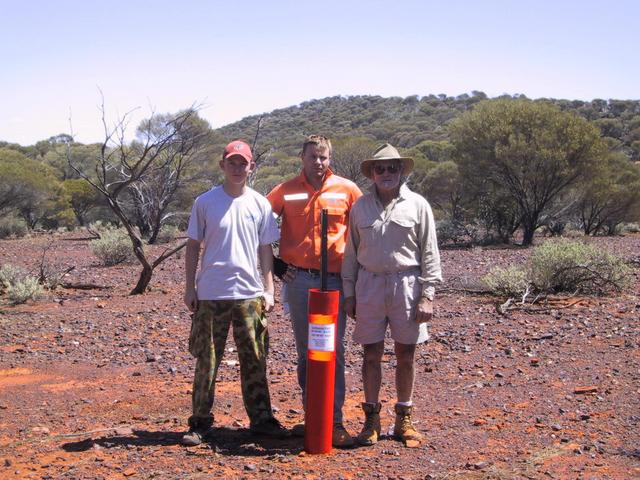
(246, 156)
(366, 167)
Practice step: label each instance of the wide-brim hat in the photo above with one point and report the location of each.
(386, 152)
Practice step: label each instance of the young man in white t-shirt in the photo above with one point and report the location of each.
(235, 227)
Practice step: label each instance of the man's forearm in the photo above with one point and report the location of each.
(265, 254)
(191, 258)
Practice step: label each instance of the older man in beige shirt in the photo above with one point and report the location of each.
(389, 271)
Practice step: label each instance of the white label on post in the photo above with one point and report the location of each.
(322, 337)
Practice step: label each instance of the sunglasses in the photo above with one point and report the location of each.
(380, 169)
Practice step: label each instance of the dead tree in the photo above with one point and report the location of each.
(162, 147)
(259, 157)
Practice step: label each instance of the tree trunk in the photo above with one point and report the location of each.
(154, 234)
(143, 280)
(527, 234)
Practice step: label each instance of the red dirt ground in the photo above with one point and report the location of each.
(96, 383)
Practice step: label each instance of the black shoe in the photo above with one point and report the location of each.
(270, 428)
(298, 430)
(195, 436)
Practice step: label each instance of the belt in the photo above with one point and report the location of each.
(313, 271)
(406, 271)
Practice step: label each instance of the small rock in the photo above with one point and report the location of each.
(42, 430)
(582, 390)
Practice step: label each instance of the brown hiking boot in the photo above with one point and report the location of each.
(371, 430)
(340, 438)
(404, 429)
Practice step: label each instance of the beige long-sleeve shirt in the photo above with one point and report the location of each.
(399, 237)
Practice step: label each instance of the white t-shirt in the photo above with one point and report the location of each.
(231, 229)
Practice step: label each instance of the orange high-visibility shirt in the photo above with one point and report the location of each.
(300, 207)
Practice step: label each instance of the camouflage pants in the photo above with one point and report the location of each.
(209, 329)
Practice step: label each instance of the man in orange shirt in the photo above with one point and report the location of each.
(299, 202)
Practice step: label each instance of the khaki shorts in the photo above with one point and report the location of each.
(388, 299)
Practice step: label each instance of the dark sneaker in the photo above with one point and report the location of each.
(195, 436)
(298, 430)
(270, 428)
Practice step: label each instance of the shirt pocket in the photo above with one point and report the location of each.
(402, 230)
(404, 219)
(336, 219)
(369, 233)
(296, 208)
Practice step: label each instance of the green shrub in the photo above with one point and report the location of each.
(510, 281)
(577, 267)
(113, 246)
(451, 232)
(168, 233)
(13, 227)
(573, 233)
(631, 228)
(10, 275)
(25, 289)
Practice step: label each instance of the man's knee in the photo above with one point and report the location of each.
(405, 354)
(373, 353)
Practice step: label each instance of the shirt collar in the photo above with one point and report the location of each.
(303, 179)
(402, 194)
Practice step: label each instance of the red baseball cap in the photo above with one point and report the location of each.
(238, 147)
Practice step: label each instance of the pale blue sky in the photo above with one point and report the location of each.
(247, 57)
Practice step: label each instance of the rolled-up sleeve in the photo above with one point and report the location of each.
(350, 267)
(431, 272)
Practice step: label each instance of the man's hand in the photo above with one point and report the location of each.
(268, 301)
(191, 299)
(424, 311)
(350, 306)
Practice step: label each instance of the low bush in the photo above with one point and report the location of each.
(12, 227)
(168, 233)
(113, 246)
(631, 228)
(25, 289)
(577, 267)
(510, 281)
(10, 274)
(451, 232)
(562, 265)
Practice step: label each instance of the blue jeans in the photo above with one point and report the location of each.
(297, 297)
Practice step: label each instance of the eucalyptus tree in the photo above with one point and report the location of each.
(162, 144)
(528, 151)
